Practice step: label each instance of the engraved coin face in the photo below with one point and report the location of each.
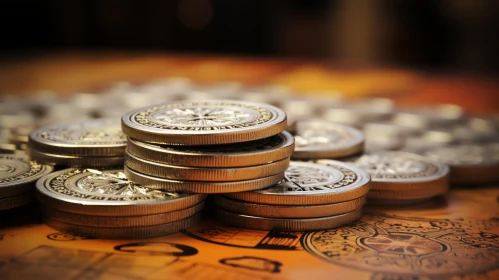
(92, 187)
(400, 167)
(172, 122)
(487, 154)
(94, 137)
(18, 170)
(317, 139)
(312, 183)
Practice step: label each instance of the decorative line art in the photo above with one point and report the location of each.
(87, 264)
(202, 116)
(61, 236)
(157, 249)
(409, 247)
(245, 238)
(253, 263)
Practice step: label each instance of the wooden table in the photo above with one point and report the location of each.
(452, 237)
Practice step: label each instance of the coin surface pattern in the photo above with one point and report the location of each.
(316, 139)
(310, 183)
(17, 171)
(214, 122)
(94, 137)
(73, 189)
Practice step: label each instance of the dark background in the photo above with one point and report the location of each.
(458, 34)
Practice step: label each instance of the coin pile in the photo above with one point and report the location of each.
(17, 180)
(217, 146)
(92, 143)
(311, 197)
(105, 204)
(401, 178)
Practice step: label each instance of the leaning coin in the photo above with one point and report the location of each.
(118, 222)
(18, 174)
(287, 211)
(204, 122)
(317, 139)
(123, 233)
(401, 171)
(175, 172)
(99, 137)
(311, 184)
(76, 161)
(470, 163)
(107, 193)
(251, 153)
(261, 223)
(15, 201)
(202, 186)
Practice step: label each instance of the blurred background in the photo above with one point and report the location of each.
(458, 35)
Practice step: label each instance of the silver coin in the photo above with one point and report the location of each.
(18, 174)
(204, 122)
(312, 184)
(316, 139)
(391, 170)
(107, 193)
(100, 137)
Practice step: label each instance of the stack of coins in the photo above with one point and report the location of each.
(105, 204)
(470, 163)
(217, 146)
(401, 178)
(318, 139)
(311, 197)
(17, 180)
(92, 143)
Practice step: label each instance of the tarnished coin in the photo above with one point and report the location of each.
(251, 153)
(204, 122)
(316, 139)
(469, 163)
(200, 186)
(401, 171)
(261, 223)
(125, 232)
(288, 211)
(119, 222)
(311, 184)
(225, 174)
(15, 201)
(76, 161)
(18, 174)
(99, 137)
(107, 193)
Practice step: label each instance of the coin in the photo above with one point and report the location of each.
(201, 186)
(261, 223)
(18, 174)
(123, 233)
(118, 222)
(401, 171)
(311, 184)
(397, 202)
(76, 161)
(99, 137)
(15, 201)
(287, 211)
(251, 153)
(316, 139)
(204, 122)
(107, 193)
(205, 174)
(407, 194)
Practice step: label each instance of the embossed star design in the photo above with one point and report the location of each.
(202, 116)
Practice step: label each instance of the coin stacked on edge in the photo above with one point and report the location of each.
(311, 197)
(93, 143)
(401, 178)
(104, 204)
(17, 180)
(217, 146)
